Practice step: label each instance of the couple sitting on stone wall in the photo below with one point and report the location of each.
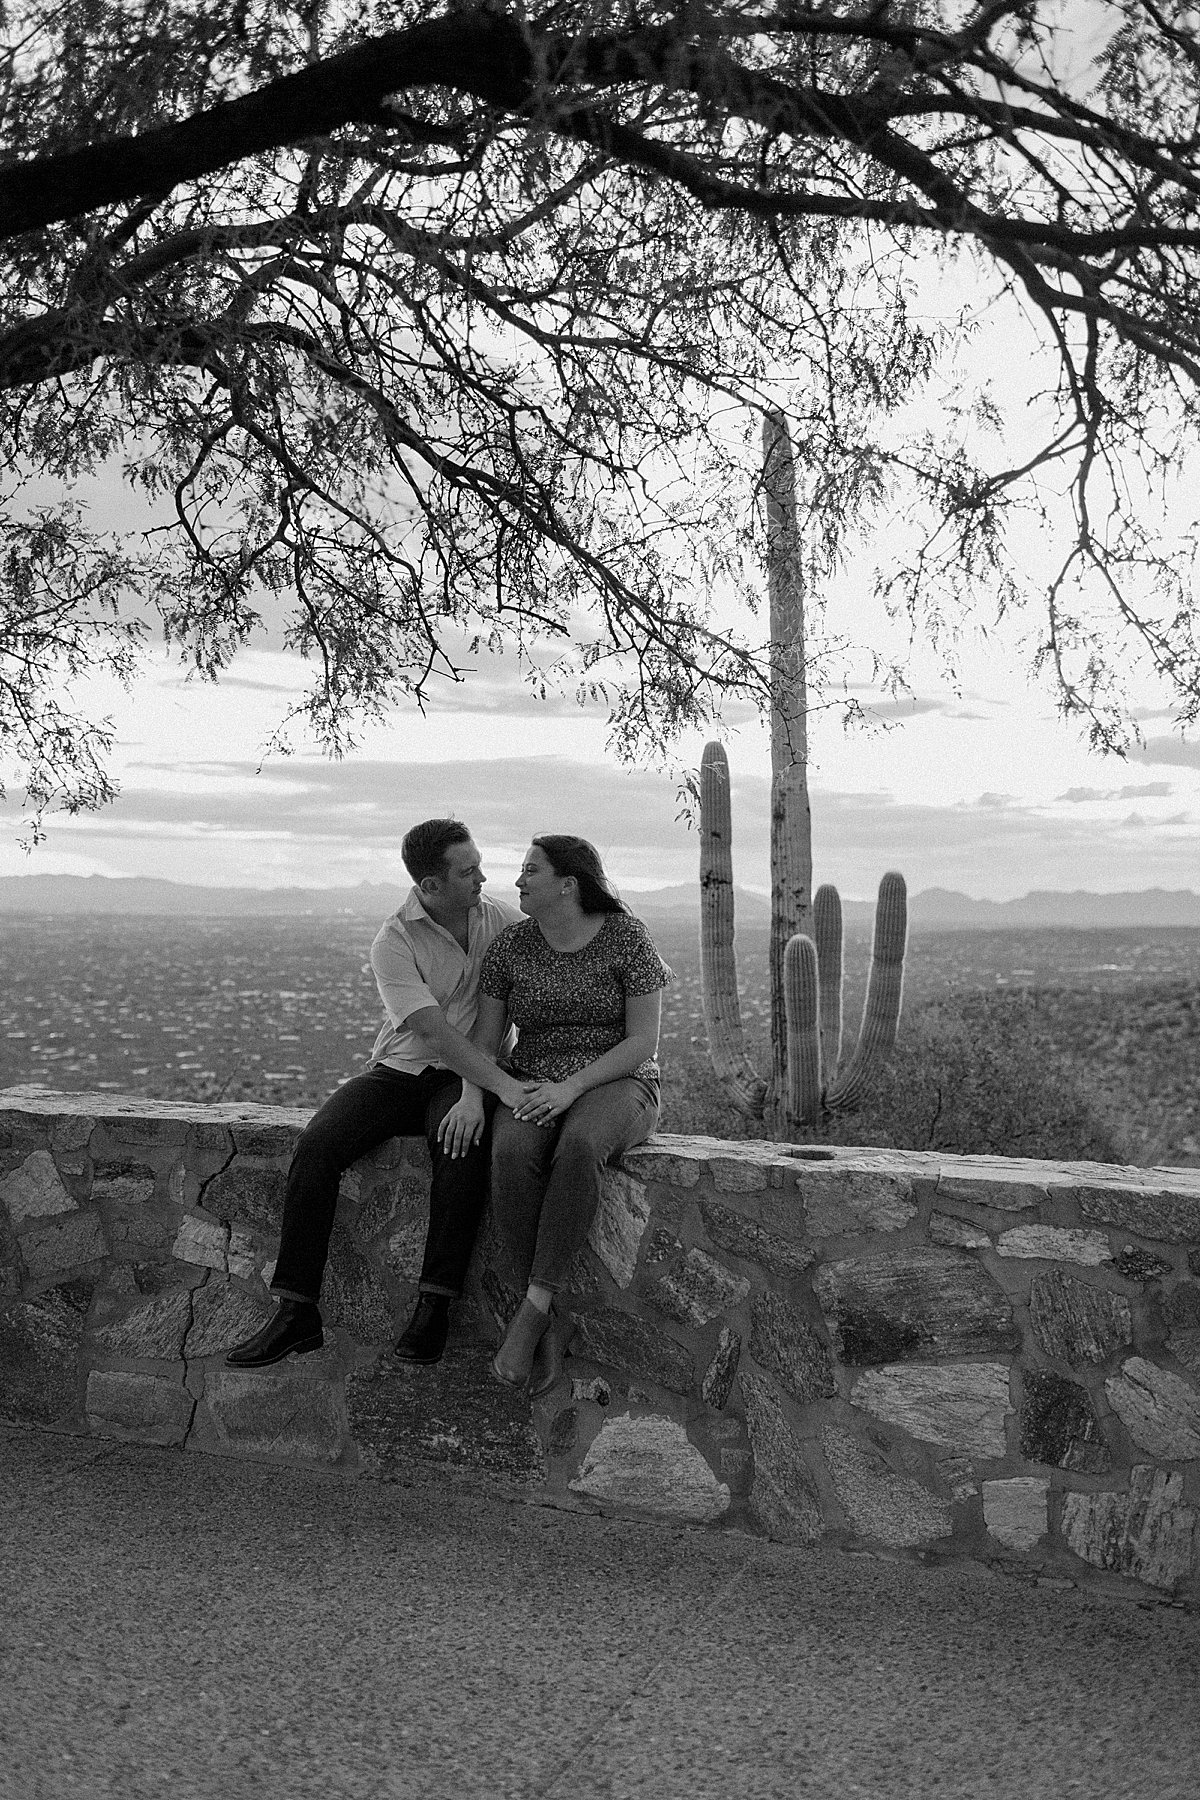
(578, 979)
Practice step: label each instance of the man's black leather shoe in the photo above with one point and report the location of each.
(424, 1337)
(295, 1327)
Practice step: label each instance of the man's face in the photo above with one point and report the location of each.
(462, 884)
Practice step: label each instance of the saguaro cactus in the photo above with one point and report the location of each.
(805, 971)
(809, 1021)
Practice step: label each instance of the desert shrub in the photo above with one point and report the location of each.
(978, 1074)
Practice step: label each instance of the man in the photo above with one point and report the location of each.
(424, 1076)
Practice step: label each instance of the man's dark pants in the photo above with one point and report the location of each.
(363, 1113)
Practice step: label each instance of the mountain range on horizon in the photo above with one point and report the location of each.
(932, 909)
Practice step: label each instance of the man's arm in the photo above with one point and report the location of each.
(442, 1043)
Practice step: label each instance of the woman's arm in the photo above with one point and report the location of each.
(643, 1018)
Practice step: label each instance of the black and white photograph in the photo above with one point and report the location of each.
(599, 899)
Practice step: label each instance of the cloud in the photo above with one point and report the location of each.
(1169, 750)
(996, 802)
(1152, 790)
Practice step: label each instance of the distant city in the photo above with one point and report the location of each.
(933, 909)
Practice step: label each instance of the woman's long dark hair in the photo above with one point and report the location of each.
(574, 856)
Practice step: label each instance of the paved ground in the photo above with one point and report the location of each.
(176, 1627)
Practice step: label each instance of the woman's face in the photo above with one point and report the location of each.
(537, 884)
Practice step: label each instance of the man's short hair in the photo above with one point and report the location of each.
(424, 848)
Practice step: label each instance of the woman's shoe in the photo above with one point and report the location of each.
(514, 1359)
(552, 1348)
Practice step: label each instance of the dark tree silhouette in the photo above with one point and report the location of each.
(449, 327)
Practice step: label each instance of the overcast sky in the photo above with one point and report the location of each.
(983, 788)
(985, 791)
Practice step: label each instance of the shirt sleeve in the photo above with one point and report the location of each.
(402, 988)
(495, 976)
(644, 969)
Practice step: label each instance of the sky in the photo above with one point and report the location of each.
(978, 786)
(983, 790)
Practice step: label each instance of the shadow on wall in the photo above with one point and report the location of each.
(950, 1356)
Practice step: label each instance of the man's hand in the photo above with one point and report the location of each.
(548, 1101)
(462, 1127)
(514, 1093)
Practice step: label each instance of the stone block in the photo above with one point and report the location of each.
(1014, 1511)
(1059, 1424)
(1172, 1218)
(1005, 1185)
(267, 1142)
(124, 1187)
(1183, 1306)
(882, 1505)
(1056, 1244)
(698, 1290)
(1136, 1264)
(293, 1410)
(221, 1317)
(783, 1493)
(70, 1241)
(594, 1388)
(251, 1193)
(203, 1242)
(147, 1408)
(1185, 1347)
(1159, 1410)
(1076, 1322)
(1148, 1533)
(621, 1341)
(35, 1190)
(785, 1344)
(352, 1293)
(71, 1134)
(660, 1248)
(621, 1219)
(451, 1413)
(39, 1354)
(961, 1405)
(397, 1204)
(156, 1328)
(649, 1465)
(960, 1234)
(717, 1380)
(914, 1302)
(652, 1162)
(837, 1202)
(502, 1299)
(564, 1431)
(738, 1174)
(747, 1238)
(12, 1263)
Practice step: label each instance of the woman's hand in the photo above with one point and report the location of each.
(548, 1101)
(462, 1127)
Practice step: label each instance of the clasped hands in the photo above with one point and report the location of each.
(545, 1101)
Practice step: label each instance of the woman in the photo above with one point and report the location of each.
(582, 982)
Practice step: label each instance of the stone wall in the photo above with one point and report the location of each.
(938, 1355)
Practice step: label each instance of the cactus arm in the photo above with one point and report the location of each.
(885, 985)
(827, 931)
(801, 990)
(718, 963)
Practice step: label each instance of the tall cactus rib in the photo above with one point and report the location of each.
(885, 990)
(718, 966)
(801, 991)
(827, 930)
